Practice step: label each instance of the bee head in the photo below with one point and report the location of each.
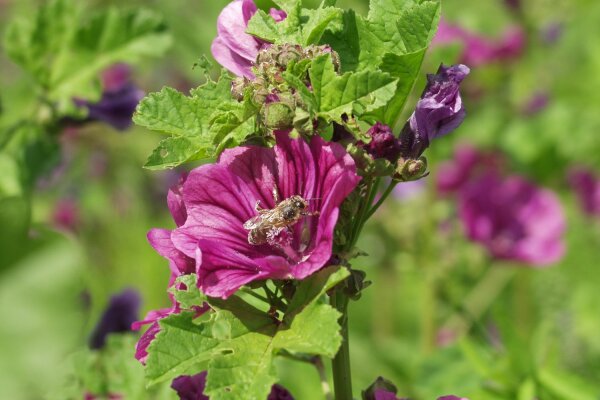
(299, 202)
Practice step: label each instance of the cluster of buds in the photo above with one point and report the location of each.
(281, 107)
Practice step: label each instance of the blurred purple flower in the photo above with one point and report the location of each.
(221, 197)
(439, 111)
(552, 33)
(383, 143)
(190, 387)
(66, 215)
(587, 189)
(513, 4)
(233, 48)
(478, 50)
(121, 312)
(467, 162)
(405, 191)
(514, 219)
(452, 398)
(537, 103)
(119, 99)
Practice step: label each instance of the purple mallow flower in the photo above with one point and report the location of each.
(233, 48)
(119, 99)
(220, 198)
(66, 215)
(121, 312)
(478, 50)
(383, 143)
(514, 219)
(537, 103)
(439, 111)
(587, 189)
(192, 388)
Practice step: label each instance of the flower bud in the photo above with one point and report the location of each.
(278, 115)
(411, 170)
(238, 86)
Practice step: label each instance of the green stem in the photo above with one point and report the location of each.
(318, 363)
(342, 380)
(384, 196)
(480, 298)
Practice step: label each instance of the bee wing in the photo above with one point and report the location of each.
(253, 222)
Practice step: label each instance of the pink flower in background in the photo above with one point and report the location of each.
(514, 219)
(467, 163)
(66, 215)
(479, 50)
(220, 198)
(587, 188)
(233, 48)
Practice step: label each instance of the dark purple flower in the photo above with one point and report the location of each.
(478, 50)
(278, 392)
(220, 198)
(439, 111)
(190, 387)
(121, 312)
(513, 4)
(514, 219)
(119, 99)
(383, 143)
(587, 189)
(233, 48)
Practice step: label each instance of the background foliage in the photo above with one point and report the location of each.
(538, 338)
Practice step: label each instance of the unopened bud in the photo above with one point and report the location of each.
(278, 115)
(411, 170)
(238, 86)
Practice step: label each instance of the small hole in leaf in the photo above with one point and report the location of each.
(164, 153)
(226, 352)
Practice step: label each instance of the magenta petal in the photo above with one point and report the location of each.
(231, 60)
(231, 27)
(179, 263)
(141, 348)
(221, 197)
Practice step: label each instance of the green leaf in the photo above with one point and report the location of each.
(417, 25)
(199, 125)
(238, 343)
(65, 52)
(190, 296)
(177, 150)
(317, 21)
(337, 95)
(302, 26)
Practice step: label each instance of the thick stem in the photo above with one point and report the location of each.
(342, 380)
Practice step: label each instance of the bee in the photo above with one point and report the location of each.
(270, 222)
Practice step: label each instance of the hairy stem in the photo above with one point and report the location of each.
(342, 380)
(318, 363)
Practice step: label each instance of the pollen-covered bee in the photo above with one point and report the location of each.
(269, 222)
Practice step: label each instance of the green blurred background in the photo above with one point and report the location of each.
(539, 339)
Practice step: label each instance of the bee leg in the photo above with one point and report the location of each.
(309, 213)
(257, 206)
(275, 195)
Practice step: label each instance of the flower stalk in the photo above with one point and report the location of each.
(342, 377)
